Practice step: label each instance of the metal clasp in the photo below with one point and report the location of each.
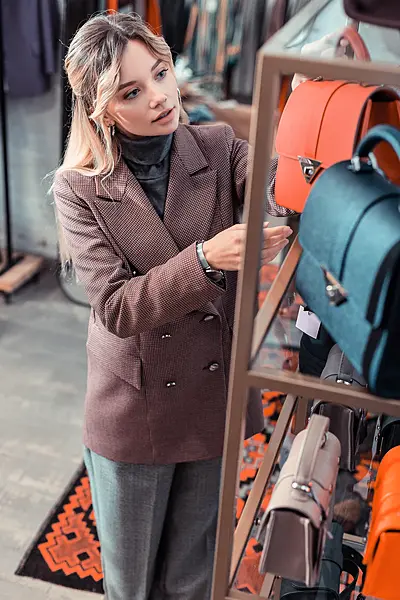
(309, 167)
(302, 487)
(357, 165)
(334, 290)
(307, 489)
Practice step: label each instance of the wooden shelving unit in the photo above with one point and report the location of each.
(275, 61)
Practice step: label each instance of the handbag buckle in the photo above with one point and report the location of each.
(308, 490)
(301, 487)
(358, 166)
(344, 382)
(309, 167)
(335, 292)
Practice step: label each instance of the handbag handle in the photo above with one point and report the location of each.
(376, 135)
(313, 441)
(352, 564)
(356, 43)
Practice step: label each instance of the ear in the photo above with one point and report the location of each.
(108, 121)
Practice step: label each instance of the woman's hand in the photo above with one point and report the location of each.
(323, 48)
(225, 250)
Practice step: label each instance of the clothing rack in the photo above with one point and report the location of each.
(16, 269)
(274, 62)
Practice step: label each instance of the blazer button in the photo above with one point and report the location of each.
(209, 318)
(166, 336)
(213, 367)
(171, 384)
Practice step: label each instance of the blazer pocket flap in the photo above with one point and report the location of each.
(118, 355)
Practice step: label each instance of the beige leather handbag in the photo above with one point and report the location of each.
(300, 510)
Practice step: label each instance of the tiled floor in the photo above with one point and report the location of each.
(42, 382)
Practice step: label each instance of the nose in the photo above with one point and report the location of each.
(157, 97)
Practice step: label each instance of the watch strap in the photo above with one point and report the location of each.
(200, 253)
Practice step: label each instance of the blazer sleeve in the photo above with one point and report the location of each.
(128, 305)
(239, 153)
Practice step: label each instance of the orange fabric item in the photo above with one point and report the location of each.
(112, 5)
(383, 546)
(356, 45)
(153, 16)
(321, 124)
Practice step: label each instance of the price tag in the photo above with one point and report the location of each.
(308, 322)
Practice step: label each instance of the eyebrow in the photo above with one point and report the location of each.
(128, 83)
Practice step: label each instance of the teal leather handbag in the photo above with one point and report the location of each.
(349, 271)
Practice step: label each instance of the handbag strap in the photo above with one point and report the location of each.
(373, 137)
(353, 564)
(356, 42)
(345, 370)
(314, 439)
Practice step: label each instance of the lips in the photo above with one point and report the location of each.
(164, 114)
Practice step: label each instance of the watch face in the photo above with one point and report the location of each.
(215, 275)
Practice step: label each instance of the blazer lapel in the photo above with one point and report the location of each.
(132, 221)
(143, 238)
(192, 192)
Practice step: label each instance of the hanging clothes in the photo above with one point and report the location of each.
(212, 22)
(133, 6)
(254, 24)
(139, 7)
(175, 19)
(153, 16)
(31, 30)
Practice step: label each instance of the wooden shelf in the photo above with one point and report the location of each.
(275, 61)
(26, 268)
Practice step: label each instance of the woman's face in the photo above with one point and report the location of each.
(147, 102)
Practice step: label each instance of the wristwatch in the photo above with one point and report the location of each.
(215, 275)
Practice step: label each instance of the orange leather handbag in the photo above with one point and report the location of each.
(383, 547)
(322, 123)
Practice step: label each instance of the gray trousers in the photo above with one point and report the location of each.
(157, 527)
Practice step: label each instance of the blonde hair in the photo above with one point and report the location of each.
(92, 65)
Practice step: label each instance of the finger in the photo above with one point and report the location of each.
(273, 239)
(272, 251)
(277, 228)
(279, 244)
(283, 231)
(297, 80)
(266, 260)
(270, 257)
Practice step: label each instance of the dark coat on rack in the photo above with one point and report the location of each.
(160, 330)
(31, 31)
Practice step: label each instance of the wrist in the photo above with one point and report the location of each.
(207, 251)
(216, 275)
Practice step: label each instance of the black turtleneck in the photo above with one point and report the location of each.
(148, 158)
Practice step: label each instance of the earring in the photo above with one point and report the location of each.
(179, 96)
(112, 130)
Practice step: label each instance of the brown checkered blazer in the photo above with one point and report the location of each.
(160, 332)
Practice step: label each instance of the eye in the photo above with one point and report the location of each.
(132, 94)
(161, 74)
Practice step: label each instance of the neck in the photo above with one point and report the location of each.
(145, 150)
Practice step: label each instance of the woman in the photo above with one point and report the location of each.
(148, 209)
